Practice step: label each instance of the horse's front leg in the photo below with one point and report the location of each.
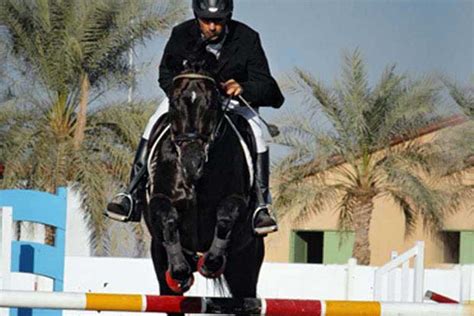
(212, 263)
(179, 275)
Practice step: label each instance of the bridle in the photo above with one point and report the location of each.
(194, 76)
(188, 137)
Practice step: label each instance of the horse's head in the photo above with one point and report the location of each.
(195, 111)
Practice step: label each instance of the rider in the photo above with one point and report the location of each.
(243, 69)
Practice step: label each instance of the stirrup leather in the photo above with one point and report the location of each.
(122, 218)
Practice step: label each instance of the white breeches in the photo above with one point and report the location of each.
(258, 128)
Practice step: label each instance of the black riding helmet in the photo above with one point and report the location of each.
(213, 9)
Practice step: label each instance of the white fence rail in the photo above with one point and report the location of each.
(277, 280)
(388, 272)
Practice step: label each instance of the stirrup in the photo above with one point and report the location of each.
(119, 217)
(263, 231)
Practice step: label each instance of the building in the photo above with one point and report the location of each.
(317, 240)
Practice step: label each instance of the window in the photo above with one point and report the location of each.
(458, 247)
(451, 246)
(328, 247)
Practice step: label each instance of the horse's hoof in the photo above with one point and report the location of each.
(204, 271)
(179, 286)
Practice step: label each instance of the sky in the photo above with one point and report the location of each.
(419, 36)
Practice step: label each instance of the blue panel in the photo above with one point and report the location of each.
(47, 312)
(34, 312)
(36, 258)
(30, 257)
(35, 206)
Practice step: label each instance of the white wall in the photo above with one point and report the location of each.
(277, 280)
(77, 234)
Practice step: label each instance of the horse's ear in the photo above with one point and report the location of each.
(186, 64)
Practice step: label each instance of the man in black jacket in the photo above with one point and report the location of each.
(243, 69)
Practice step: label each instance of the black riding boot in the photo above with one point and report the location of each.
(128, 206)
(263, 220)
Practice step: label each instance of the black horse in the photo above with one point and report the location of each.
(199, 194)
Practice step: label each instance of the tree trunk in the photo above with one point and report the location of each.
(82, 113)
(362, 217)
(140, 237)
(49, 235)
(17, 232)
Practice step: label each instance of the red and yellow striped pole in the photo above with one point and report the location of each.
(208, 305)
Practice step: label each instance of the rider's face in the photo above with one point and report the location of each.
(211, 28)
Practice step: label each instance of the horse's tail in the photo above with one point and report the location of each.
(220, 286)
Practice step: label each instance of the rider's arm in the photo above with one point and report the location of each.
(167, 65)
(261, 88)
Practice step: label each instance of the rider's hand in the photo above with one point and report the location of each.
(232, 88)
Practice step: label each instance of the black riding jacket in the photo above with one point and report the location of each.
(242, 58)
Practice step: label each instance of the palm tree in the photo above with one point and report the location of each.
(36, 157)
(72, 46)
(457, 143)
(73, 51)
(369, 149)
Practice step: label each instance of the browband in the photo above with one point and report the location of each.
(194, 76)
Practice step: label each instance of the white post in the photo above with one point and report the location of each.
(130, 64)
(403, 259)
(392, 279)
(405, 282)
(378, 285)
(351, 266)
(6, 251)
(7, 222)
(419, 271)
(467, 278)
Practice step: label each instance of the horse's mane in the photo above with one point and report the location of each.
(199, 60)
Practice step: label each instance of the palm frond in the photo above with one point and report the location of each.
(411, 110)
(429, 201)
(354, 96)
(463, 96)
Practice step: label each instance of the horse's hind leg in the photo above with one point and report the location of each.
(164, 215)
(243, 269)
(212, 264)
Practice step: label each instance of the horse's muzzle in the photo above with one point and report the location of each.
(193, 156)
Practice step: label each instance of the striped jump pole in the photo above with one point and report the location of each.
(208, 305)
(438, 298)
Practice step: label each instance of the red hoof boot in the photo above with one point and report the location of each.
(178, 286)
(201, 267)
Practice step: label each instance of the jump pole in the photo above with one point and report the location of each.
(208, 305)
